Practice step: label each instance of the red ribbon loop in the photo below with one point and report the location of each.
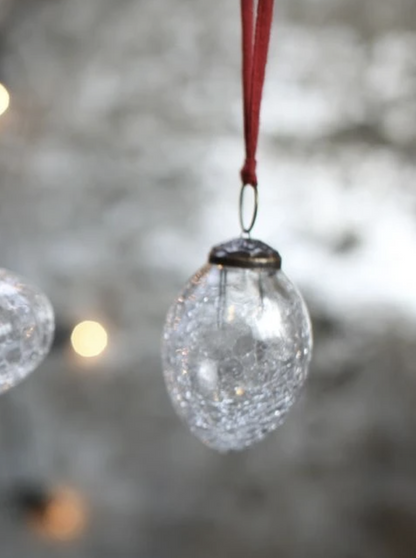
(256, 40)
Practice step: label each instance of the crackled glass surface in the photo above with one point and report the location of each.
(26, 328)
(236, 349)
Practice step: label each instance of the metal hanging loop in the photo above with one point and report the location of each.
(246, 230)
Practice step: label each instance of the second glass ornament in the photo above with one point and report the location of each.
(26, 328)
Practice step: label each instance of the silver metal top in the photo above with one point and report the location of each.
(245, 253)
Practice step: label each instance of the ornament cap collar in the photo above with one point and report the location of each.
(246, 253)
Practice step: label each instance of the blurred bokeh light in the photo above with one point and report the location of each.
(4, 99)
(89, 339)
(63, 516)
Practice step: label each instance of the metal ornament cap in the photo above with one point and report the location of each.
(245, 253)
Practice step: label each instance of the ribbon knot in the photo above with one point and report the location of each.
(248, 173)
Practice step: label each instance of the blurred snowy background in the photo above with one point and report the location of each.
(119, 159)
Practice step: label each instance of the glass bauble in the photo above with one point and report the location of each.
(26, 328)
(237, 345)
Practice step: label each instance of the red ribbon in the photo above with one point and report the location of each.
(256, 40)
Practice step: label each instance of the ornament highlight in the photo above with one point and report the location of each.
(236, 347)
(26, 328)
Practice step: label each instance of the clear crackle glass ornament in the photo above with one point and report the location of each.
(237, 345)
(26, 328)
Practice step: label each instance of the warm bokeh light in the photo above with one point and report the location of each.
(64, 517)
(89, 339)
(4, 99)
